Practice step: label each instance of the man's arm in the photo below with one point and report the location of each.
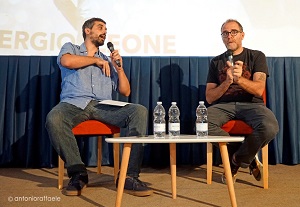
(124, 86)
(255, 86)
(76, 61)
(214, 92)
(234, 74)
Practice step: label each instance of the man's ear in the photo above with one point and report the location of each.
(87, 30)
(243, 35)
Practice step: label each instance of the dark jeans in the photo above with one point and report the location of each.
(257, 115)
(64, 116)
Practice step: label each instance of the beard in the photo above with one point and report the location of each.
(97, 43)
(97, 40)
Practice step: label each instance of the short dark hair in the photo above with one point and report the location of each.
(233, 20)
(89, 24)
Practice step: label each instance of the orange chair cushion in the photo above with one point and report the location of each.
(93, 127)
(237, 127)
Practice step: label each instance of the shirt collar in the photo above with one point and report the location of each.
(84, 50)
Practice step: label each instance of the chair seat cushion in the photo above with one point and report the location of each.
(94, 127)
(237, 127)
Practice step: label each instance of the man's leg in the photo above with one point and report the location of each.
(265, 127)
(134, 118)
(59, 123)
(218, 115)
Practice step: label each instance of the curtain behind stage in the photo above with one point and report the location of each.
(30, 87)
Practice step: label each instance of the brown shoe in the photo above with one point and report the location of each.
(234, 170)
(256, 168)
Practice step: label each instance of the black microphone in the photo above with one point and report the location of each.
(229, 55)
(111, 49)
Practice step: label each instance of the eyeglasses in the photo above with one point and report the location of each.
(233, 33)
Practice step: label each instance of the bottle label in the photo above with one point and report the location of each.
(159, 127)
(202, 127)
(174, 126)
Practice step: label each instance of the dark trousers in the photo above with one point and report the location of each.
(64, 116)
(257, 115)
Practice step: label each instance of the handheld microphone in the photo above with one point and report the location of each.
(229, 55)
(111, 49)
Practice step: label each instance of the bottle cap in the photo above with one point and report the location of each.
(159, 102)
(173, 103)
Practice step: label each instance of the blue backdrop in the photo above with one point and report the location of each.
(30, 87)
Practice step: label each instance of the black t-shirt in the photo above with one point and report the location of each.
(254, 61)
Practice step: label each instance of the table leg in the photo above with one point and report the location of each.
(173, 168)
(209, 153)
(123, 171)
(227, 169)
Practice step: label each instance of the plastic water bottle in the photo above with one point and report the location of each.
(201, 121)
(174, 121)
(159, 122)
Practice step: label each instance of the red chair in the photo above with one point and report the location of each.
(238, 127)
(94, 128)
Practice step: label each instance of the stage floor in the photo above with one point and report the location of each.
(38, 187)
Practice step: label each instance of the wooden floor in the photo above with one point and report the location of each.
(38, 187)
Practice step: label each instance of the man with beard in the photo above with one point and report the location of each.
(89, 76)
(235, 89)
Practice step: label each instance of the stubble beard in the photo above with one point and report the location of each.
(97, 40)
(97, 43)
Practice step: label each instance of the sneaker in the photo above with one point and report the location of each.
(256, 168)
(77, 183)
(134, 186)
(234, 170)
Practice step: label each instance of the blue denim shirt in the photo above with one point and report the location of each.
(80, 86)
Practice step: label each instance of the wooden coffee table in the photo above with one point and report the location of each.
(128, 141)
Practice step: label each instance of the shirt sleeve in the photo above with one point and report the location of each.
(212, 76)
(260, 63)
(67, 48)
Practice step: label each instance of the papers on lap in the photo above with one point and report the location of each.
(113, 102)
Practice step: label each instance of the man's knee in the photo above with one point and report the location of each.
(270, 129)
(141, 111)
(54, 118)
